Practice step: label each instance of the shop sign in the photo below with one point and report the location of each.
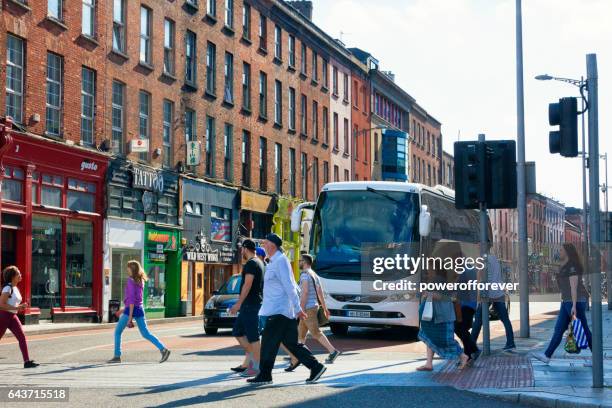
(89, 165)
(144, 179)
(160, 248)
(154, 256)
(167, 239)
(202, 251)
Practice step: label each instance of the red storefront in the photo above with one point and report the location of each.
(52, 226)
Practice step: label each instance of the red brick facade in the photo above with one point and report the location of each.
(360, 121)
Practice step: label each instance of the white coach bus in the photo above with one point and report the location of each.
(348, 215)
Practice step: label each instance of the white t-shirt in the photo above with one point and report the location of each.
(15, 299)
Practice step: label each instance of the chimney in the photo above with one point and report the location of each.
(304, 7)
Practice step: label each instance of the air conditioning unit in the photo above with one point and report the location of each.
(139, 146)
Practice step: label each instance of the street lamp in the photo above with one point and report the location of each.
(581, 84)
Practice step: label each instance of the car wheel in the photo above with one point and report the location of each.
(339, 329)
(211, 331)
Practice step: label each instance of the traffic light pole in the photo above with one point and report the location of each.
(484, 301)
(520, 173)
(594, 215)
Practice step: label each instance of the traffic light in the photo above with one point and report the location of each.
(501, 174)
(469, 174)
(564, 114)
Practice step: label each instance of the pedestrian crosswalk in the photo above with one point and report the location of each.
(208, 374)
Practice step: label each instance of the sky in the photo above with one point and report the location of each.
(458, 59)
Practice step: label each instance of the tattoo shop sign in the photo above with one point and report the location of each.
(147, 179)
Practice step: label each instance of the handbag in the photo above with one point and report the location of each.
(321, 318)
(570, 342)
(427, 314)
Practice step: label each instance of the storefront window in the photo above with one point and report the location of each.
(81, 195)
(156, 285)
(221, 224)
(35, 199)
(120, 258)
(46, 256)
(51, 194)
(79, 263)
(12, 185)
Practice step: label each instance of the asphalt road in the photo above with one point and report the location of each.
(377, 367)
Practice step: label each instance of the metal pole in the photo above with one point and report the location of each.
(595, 230)
(520, 173)
(484, 301)
(585, 239)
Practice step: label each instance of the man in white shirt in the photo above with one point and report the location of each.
(282, 309)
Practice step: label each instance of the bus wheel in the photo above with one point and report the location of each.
(339, 329)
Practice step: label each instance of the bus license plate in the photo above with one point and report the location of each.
(351, 313)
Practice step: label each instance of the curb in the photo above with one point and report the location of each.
(101, 326)
(530, 398)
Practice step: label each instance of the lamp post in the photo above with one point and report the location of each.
(585, 240)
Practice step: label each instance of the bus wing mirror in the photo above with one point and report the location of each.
(296, 220)
(424, 221)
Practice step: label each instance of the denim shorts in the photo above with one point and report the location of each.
(247, 323)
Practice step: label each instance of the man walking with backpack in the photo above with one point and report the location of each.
(281, 305)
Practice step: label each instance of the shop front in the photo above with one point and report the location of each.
(209, 258)
(52, 227)
(142, 214)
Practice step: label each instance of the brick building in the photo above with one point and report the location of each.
(448, 170)
(360, 120)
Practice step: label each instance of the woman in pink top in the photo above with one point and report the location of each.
(134, 310)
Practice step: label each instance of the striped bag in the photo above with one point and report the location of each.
(579, 334)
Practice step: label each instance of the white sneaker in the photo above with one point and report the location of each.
(541, 356)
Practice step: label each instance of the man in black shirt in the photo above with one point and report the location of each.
(246, 327)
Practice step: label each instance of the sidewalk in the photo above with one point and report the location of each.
(46, 327)
(565, 382)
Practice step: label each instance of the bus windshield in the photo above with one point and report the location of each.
(346, 220)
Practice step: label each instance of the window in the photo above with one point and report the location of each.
(315, 67)
(278, 168)
(292, 172)
(263, 94)
(246, 21)
(12, 184)
(336, 173)
(211, 8)
(364, 99)
(117, 114)
(346, 136)
(229, 14)
(325, 172)
(210, 146)
(81, 195)
(220, 224)
(190, 126)
(14, 77)
(336, 130)
(246, 158)
(315, 176)
(263, 32)
(144, 113)
(228, 142)
(278, 44)
(315, 120)
(51, 192)
(324, 71)
(167, 133)
(291, 51)
(190, 58)
(211, 57)
(263, 164)
(346, 88)
(278, 102)
(375, 146)
(119, 25)
(335, 80)
(54, 94)
(291, 108)
(304, 61)
(169, 48)
(304, 176)
(325, 125)
(356, 138)
(145, 35)
(246, 86)
(228, 93)
(54, 9)
(88, 15)
(346, 175)
(303, 116)
(355, 94)
(88, 98)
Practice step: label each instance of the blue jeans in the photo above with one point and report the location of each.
(502, 312)
(141, 322)
(563, 320)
